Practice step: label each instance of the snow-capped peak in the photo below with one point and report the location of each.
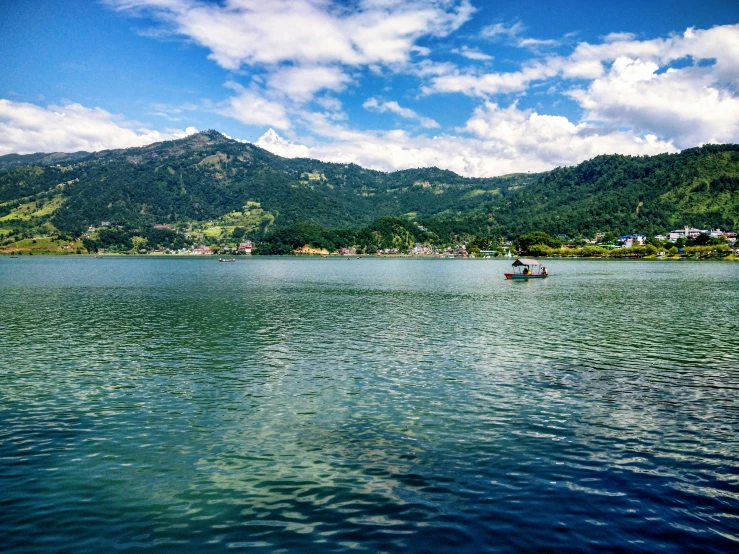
(270, 137)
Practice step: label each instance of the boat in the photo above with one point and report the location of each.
(226, 259)
(525, 268)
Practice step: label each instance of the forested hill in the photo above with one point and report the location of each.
(649, 194)
(208, 177)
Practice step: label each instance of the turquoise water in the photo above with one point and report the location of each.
(330, 405)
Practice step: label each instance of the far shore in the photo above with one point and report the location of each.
(215, 257)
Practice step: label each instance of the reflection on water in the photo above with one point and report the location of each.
(329, 405)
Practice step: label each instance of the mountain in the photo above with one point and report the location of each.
(206, 176)
(646, 194)
(220, 184)
(9, 161)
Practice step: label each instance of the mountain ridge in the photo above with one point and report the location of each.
(208, 177)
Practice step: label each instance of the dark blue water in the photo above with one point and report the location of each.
(318, 405)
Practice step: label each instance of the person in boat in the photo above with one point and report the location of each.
(544, 270)
(526, 271)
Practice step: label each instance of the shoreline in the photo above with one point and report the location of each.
(25, 254)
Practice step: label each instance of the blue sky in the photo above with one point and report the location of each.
(482, 88)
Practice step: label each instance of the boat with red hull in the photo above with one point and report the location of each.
(524, 269)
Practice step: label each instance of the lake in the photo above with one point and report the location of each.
(331, 405)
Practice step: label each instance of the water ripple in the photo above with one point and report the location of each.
(371, 405)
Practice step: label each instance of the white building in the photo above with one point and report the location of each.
(687, 232)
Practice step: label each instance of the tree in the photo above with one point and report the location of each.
(90, 245)
(702, 240)
(478, 243)
(609, 238)
(524, 242)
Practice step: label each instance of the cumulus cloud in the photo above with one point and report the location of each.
(495, 141)
(251, 107)
(26, 128)
(305, 46)
(549, 141)
(329, 103)
(302, 83)
(486, 84)
(682, 103)
(374, 105)
(249, 32)
(590, 61)
(632, 83)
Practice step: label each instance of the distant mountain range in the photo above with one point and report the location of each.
(208, 176)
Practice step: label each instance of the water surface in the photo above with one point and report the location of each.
(330, 405)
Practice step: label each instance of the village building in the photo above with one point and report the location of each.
(685, 233)
(245, 247)
(629, 241)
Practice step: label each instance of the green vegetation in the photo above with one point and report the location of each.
(119, 240)
(215, 191)
(384, 233)
(535, 242)
(629, 194)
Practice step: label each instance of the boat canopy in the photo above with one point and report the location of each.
(526, 262)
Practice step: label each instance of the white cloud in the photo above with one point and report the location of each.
(305, 46)
(485, 84)
(501, 30)
(329, 103)
(314, 32)
(26, 128)
(632, 85)
(536, 44)
(302, 83)
(547, 141)
(250, 107)
(614, 37)
(504, 140)
(374, 105)
(472, 54)
(682, 103)
(589, 61)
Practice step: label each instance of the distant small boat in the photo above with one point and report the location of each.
(13, 256)
(226, 259)
(524, 268)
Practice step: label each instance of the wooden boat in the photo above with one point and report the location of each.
(524, 268)
(226, 259)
